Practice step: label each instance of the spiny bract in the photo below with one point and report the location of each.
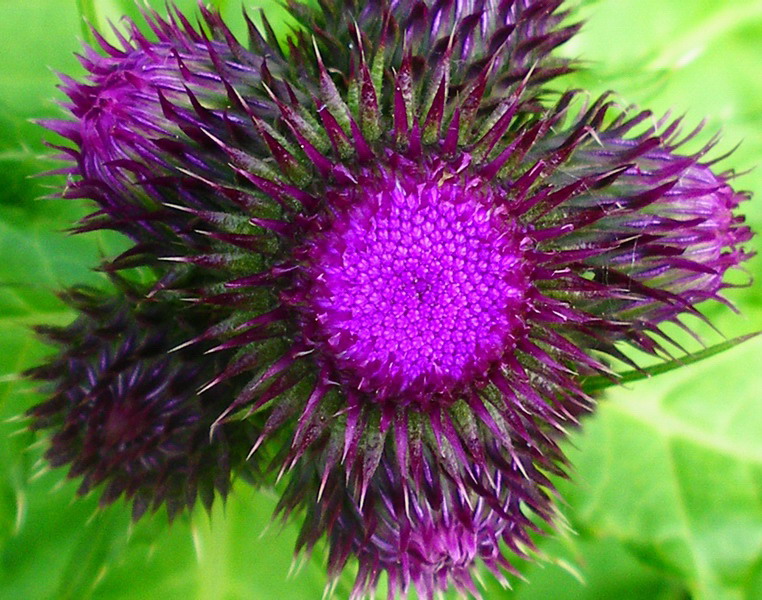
(431, 538)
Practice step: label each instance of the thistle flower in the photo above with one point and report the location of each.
(125, 415)
(400, 222)
(123, 144)
(431, 539)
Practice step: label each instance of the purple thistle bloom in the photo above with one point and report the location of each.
(418, 256)
(396, 219)
(125, 415)
(123, 142)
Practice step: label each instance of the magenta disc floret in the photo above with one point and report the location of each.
(416, 283)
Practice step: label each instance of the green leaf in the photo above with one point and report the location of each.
(598, 569)
(673, 470)
(598, 383)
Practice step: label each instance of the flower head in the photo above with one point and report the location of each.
(125, 415)
(124, 141)
(396, 217)
(417, 253)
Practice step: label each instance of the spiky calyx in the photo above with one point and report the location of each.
(123, 410)
(430, 539)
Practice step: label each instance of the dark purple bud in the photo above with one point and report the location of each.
(123, 409)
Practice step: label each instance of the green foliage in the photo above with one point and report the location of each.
(666, 497)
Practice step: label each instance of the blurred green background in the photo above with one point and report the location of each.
(666, 497)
